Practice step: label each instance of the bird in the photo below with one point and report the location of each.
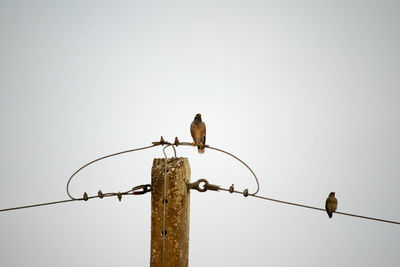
(331, 204)
(198, 132)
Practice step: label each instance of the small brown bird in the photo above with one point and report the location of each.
(198, 132)
(331, 204)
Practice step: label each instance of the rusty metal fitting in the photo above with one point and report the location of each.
(246, 192)
(162, 142)
(176, 142)
(207, 186)
(231, 189)
(145, 188)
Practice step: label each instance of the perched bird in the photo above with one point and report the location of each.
(198, 132)
(331, 204)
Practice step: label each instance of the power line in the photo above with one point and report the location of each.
(154, 144)
(202, 188)
(101, 158)
(38, 205)
(310, 207)
(134, 191)
(157, 143)
(196, 185)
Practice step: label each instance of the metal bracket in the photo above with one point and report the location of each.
(207, 186)
(145, 188)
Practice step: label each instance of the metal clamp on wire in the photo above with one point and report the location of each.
(176, 142)
(161, 142)
(207, 186)
(145, 188)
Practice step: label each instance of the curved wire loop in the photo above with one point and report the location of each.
(104, 157)
(241, 161)
(168, 144)
(233, 156)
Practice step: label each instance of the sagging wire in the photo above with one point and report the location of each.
(104, 157)
(162, 142)
(177, 143)
(85, 197)
(202, 185)
(119, 194)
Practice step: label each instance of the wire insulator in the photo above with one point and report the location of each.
(231, 189)
(176, 142)
(246, 192)
(85, 196)
(100, 194)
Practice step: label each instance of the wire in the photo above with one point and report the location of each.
(207, 186)
(309, 207)
(255, 177)
(100, 195)
(134, 191)
(38, 205)
(104, 157)
(177, 143)
(154, 144)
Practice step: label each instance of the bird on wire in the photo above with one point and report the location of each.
(198, 132)
(331, 204)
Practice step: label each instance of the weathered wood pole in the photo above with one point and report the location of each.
(175, 250)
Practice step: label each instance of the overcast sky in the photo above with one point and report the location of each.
(307, 93)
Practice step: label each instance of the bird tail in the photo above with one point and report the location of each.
(200, 149)
(330, 214)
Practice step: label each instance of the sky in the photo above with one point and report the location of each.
(307, 93)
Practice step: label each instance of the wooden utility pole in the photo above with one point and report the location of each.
(170, 215)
